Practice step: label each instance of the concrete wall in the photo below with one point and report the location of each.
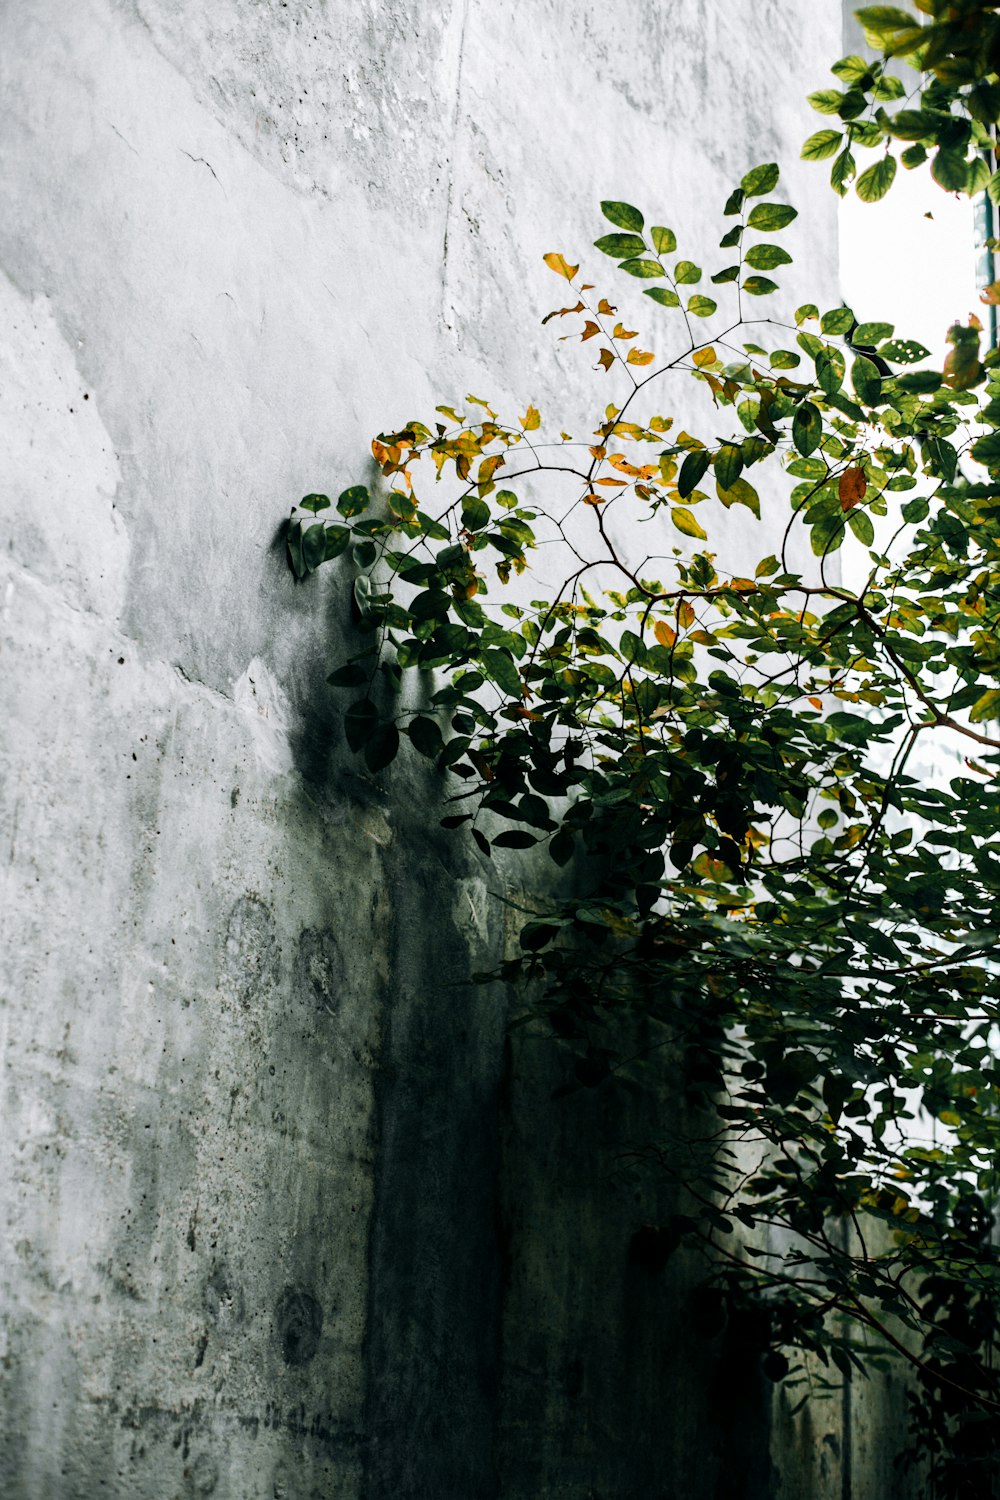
(279, 1221)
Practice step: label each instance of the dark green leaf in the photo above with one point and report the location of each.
(692, 470)
(475, 514)
(950, 170)
(425, 736)
(623, 215)
(360, 723)
(903, 352)
(351, 674)
(514, 838)
(381, 747)
(354, 500)
(728, 465)
(620, 246)
(315, 503)
(759, 286)
(731, 273)
(734, 203)
(314, 546)
(807, 428)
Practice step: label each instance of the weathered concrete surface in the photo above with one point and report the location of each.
(256, 1239)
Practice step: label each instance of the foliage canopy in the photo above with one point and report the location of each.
(776, 787)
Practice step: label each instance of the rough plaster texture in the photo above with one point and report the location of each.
(279, 1220)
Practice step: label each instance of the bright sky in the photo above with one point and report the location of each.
(910, 260)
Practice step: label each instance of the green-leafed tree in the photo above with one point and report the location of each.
(776, 788)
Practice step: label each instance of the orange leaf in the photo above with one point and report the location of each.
(613, 484)
(705, 357)
(991, 294)
(621, 332)
(531, 419)
(557, 263)
(640, 357)
(816, 702)
(852, 488)
(560, 312)
(589, 329)
(593, 499)
(604, 306)
(664, 634)
(605, 359)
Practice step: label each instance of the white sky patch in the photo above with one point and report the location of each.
(900, 266)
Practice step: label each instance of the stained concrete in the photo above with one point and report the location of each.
(279, 1220)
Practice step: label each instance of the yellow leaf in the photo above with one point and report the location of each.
(664, 634)
(604, 307)
(557, 263)
(991, 294)
(685, 521)
(621, 332)
(593, 499)
(685, 611)
(640, 357)
(531, 419)
(705, 357)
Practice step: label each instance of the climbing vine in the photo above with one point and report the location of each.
(773, 781)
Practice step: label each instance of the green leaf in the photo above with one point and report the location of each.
(337, 540)
(663, 295)
(354, 500)
(425, 736)
(867, 381)
(920, 382)
(986, 450)
(692, 470)
(759, 286)
(915, 124)
(872, 333)
(623, 215)
(874, 183)
(821, 145)
(766, 257)
(728, 465)
(293, 542)
(759, 180)
(382, 747)
(842, 171)
(731, 273)
(501, 669)
(314, 546)
(475, 514)
(993, 188)
(644, 269)
(702, 307)
(351, 674)
(664, 240)
(913, 156)
(986, 707)
(827, 535)
(620, 246)
(880, 22)
(805, 313)
(740, 492)
(851, 69)
(860, 523)
(734, 203)
(360, 723)
(314, 503)
(731, 237)
(837, 320)
(785, 359)
(686, 271)
(771, 216)
(902, 351)
(514, 838)
(685, 522)
(830, 367)
(826, 101)
(950, 171)
(807, 428)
